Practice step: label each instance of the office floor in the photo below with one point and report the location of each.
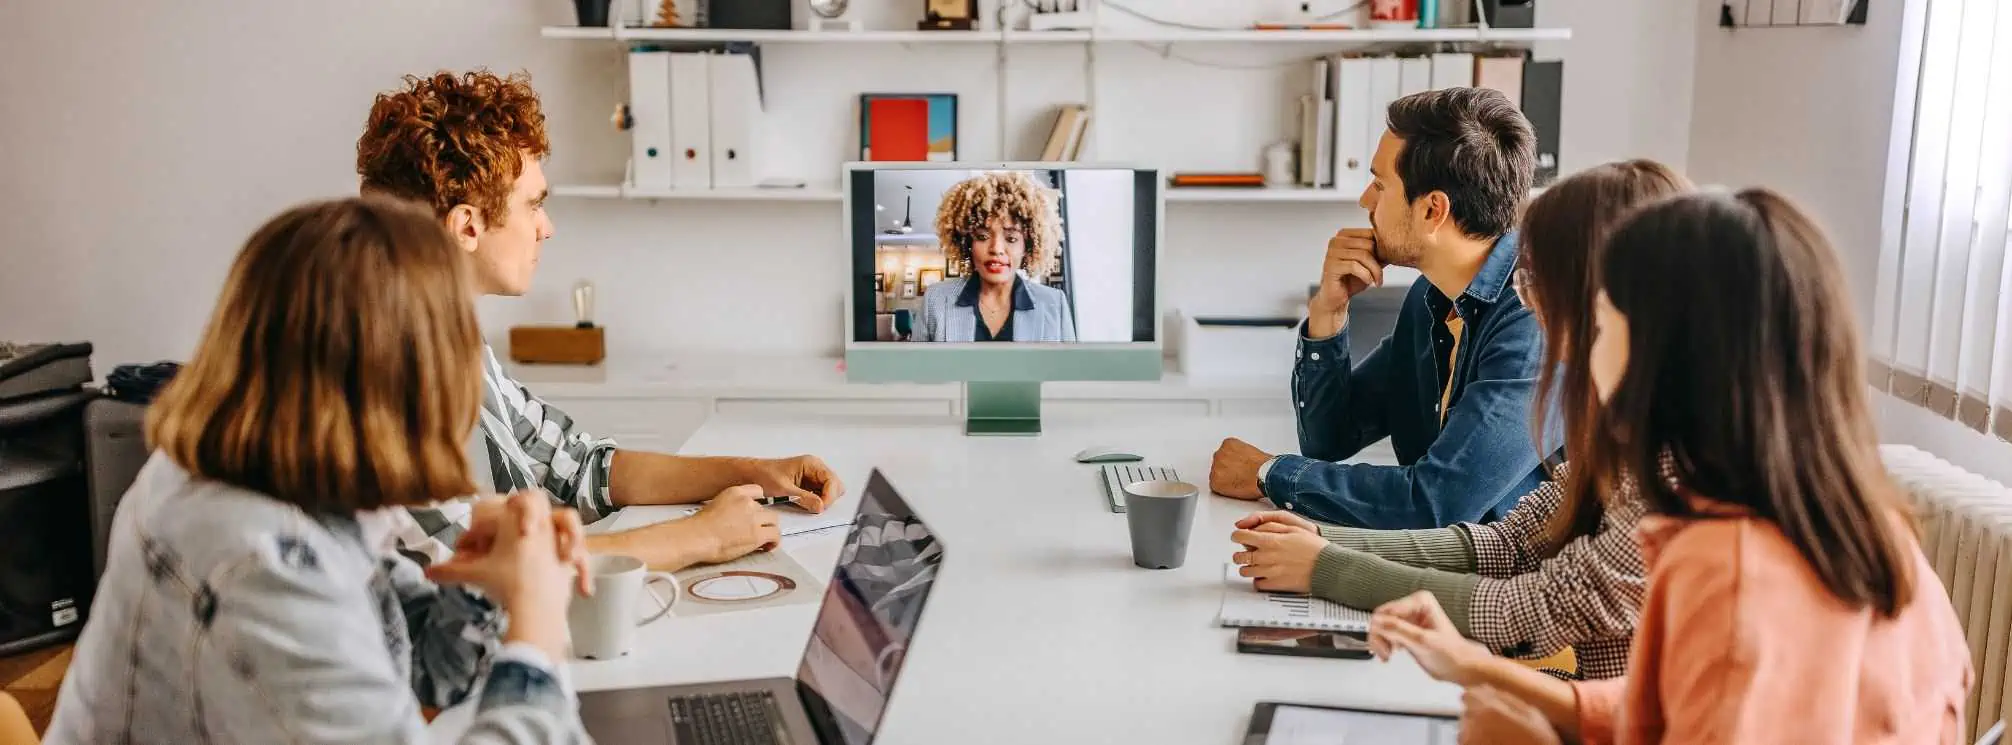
(33, 678)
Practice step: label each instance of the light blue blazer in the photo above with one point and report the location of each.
(1040, 313)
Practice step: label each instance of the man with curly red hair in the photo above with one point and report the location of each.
(469, 146)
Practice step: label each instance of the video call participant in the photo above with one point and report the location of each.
(1452, 385)
(1005, 231)
(1562, 568)
(468, 146)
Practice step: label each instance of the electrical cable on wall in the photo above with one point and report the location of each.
(1158, 21)
(1166, 51)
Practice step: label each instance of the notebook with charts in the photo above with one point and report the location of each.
(1244, 605)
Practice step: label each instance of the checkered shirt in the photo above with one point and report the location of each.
(526, 443)
(1588, 596)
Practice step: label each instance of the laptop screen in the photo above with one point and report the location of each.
(884, 574)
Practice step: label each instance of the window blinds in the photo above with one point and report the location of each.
(1942, 323)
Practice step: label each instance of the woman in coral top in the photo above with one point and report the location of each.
(1788, 599)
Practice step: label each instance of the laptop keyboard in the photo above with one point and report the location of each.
(746, 718)
(1116, 476)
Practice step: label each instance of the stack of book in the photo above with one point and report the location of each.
(1065, 139)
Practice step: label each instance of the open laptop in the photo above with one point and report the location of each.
(857, 648)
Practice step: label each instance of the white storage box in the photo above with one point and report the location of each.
(1218, 348)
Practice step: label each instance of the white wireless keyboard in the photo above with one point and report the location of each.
(1116, 476)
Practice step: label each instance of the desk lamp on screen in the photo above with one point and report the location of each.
(1002, 276)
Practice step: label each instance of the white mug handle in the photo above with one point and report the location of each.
(663, 606)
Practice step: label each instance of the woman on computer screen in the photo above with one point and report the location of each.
(1002, 231)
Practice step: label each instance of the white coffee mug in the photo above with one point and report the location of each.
(604, 626)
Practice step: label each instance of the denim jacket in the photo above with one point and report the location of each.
(1474, 467)
(226, 616)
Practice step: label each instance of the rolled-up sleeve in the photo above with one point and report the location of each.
(559, 455)
(566, 460)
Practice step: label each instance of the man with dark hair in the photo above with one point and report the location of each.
(1452, 385)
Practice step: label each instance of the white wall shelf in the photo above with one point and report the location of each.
(1352, 36)
(826, 193)
(1147, 36)
(818, 193)
(1258, 194)
(800, 36)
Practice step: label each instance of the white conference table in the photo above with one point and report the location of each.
(1040, 628)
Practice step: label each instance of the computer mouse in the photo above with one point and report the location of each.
(1106, 455)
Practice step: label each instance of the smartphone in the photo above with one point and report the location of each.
(1348, 645)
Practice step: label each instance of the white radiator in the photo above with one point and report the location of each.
(1966, 531)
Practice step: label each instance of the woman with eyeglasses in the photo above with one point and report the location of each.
(1561, 569)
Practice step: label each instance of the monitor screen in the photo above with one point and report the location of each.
(884, 574)
(1008, 254)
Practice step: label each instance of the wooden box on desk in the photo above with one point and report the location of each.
(564, 345)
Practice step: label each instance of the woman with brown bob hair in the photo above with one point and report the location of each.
(1561, 569)
(249, 594)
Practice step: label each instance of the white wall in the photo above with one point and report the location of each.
(1101, 249)
(1808, 111)
(1805, 111)
(143, 151)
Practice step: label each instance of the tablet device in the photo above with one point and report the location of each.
(1278, 723)
(1347, 645)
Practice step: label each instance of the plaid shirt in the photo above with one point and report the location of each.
(1588, 596)
(522, 442)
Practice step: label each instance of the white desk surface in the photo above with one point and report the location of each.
(1040, 628)
(651, 376)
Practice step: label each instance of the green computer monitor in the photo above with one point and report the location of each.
(941, 249)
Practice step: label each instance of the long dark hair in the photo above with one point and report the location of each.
(1562, 228)
(1744, 366)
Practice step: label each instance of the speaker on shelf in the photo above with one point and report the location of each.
(1543, 100)
(748, 14)
(1510, 13)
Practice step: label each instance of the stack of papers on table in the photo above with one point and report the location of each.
(1244, 605)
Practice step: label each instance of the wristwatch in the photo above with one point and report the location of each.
(1264, 470)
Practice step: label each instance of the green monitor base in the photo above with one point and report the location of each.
(1002, 409)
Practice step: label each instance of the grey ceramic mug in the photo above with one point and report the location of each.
(1159, 513)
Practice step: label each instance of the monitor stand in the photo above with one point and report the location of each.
(1002, 409)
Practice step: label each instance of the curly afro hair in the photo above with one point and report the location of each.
(452, 139)
(1013, 195)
